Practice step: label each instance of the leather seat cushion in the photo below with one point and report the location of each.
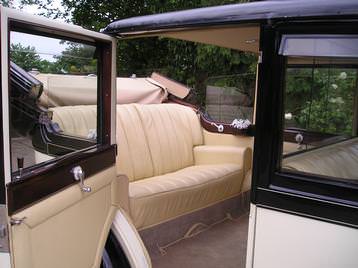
(161, 198)
(337, 160)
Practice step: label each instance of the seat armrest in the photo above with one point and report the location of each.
(212, 154)
(122, 200)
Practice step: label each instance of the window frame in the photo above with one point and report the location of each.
(50, 177)
(103, 86)
(308, 195)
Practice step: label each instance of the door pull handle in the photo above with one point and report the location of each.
(79, 175)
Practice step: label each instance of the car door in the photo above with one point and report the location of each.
(304, 197)
(61, 199)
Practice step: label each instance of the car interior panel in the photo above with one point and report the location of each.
(66, 217)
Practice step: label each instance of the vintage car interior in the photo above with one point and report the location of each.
(178, 172)
(133, 173)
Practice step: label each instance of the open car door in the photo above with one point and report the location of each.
(304, 210)
(62, 192)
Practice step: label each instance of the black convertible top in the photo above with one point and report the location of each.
(236, 13)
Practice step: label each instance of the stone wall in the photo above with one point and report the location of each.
(224, 104)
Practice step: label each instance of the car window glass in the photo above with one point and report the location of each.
(321, 111)
(53, 98)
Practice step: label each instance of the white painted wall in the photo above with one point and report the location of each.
(283, 240)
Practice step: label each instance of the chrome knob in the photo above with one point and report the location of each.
(220, 127)
(299, 138)
(79, 175)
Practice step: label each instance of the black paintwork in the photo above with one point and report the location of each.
(237, 13)
(115, 253)
(2, 175)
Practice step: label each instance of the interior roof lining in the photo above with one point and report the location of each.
(235, 36)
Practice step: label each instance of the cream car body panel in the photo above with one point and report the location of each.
(5, 94)
(130, 241)
(278, 239)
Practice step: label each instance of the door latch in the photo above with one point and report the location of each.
(79, 175)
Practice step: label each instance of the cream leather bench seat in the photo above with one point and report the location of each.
(171, 171)
(76, 120)
(338, 160)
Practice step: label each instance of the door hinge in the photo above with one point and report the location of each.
(16, 221)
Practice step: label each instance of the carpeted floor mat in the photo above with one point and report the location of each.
(221, 246)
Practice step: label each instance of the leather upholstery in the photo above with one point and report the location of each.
(134, 157)
(67, 229)
(161, 198)
(76, 120)
(209, 154)
(171, 131)
(151, 137)
(171, 171)
(337, 160)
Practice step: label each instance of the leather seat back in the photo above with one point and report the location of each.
(153, 139)
(134, 157)
(76, 120)
(172, 131)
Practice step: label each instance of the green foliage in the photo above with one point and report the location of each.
(321, 99)
(76, 58)
(25, 57)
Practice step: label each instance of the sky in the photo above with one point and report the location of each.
(34, 9)
(46, 47)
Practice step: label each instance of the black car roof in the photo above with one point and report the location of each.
(235, 13)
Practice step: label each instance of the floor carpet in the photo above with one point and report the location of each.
(221, 246)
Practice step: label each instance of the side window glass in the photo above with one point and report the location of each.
(221, 80)
(230, 97)
(320, 106)
(53, 98)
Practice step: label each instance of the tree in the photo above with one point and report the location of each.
(321, 99)
(77, 58)
(25, 57)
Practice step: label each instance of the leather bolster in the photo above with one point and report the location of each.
(211, 154)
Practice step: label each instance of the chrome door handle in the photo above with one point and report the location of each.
(79, 175)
